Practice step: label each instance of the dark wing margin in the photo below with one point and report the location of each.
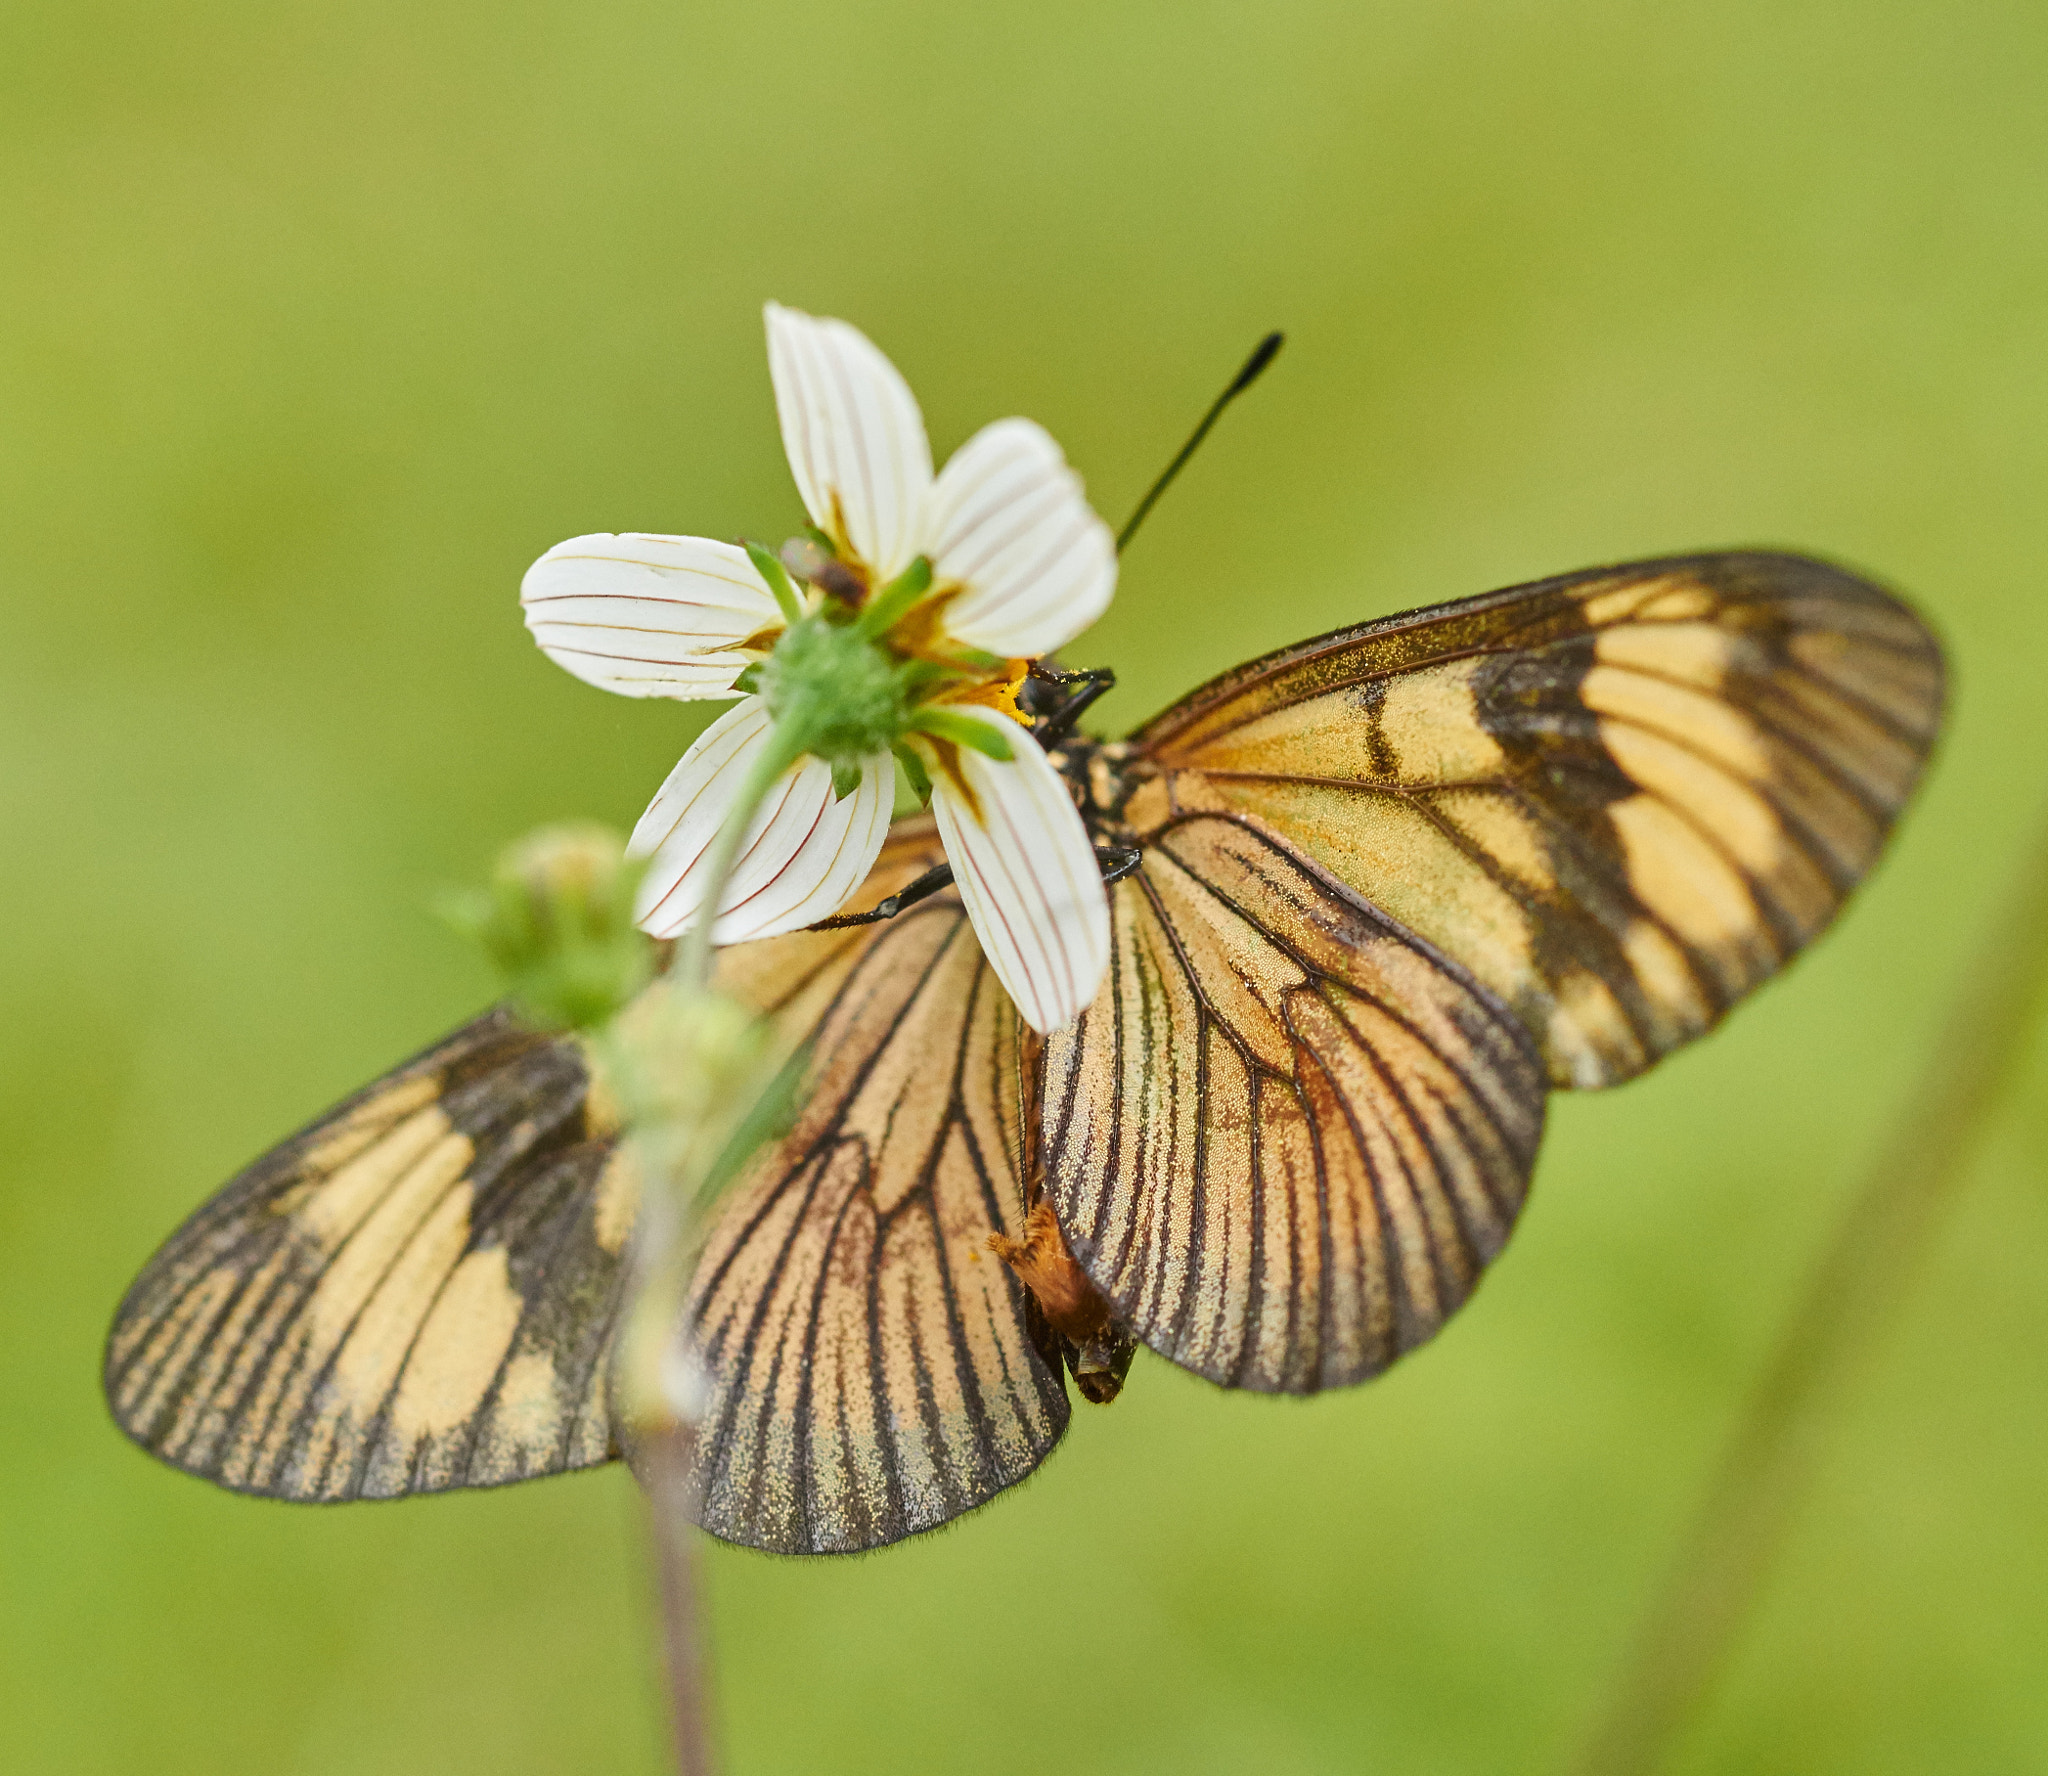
(1622, 798)
(871, 1370)
(416, 1293)
(1287, 1136)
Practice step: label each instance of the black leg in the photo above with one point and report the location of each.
(1116, 861)
(926, 885)
(1059, 723)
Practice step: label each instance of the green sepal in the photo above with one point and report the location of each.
(822, 540)
(748, 684)
(845, 778)
(964, 730)
(880, 613)
(769, 567)
(918, 676)
(914, 773)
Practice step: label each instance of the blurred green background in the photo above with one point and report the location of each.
(318, 322)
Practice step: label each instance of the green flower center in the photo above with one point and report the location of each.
(845, 694)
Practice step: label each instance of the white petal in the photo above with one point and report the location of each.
(646, 616)
(806, 851)
(1008, 520)
(1028, 874)
(854, 435)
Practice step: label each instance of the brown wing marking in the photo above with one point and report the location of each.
(413, 1294)
(1623, 798)
(871, 1371)
(1287, 1136)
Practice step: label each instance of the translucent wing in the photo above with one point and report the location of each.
(420, 1291)
(1622, 798)
(1396, 878)
(872, 1373)
(1288, 1135)
(415, 1293)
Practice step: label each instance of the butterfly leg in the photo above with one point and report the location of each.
(1115, 861)
(1059, 721)
(926, 885)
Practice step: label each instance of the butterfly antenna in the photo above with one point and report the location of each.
(1254, 366)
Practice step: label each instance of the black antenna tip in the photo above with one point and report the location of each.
(1262, 354)
(1255, 366)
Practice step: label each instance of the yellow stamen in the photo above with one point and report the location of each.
(999, 694)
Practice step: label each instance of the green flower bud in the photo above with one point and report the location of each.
(702, 1086)
(557, 919)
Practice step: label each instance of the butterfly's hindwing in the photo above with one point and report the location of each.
(1623, 798)
(1287, 1136)
(421, 1291)
(872, 1373)
(414, 1294)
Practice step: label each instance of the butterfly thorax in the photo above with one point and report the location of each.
(1102, 774)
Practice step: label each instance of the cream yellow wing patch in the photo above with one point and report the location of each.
(411, 1295)
(1622, 799)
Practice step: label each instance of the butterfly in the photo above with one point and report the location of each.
(1378, 894)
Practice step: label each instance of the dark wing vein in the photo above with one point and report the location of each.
(1289, 1134)
(1622, 799)
(870, 1371)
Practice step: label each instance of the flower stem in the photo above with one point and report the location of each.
(667, 1459)
(668, 1468)
(1834, 1332)
(782, 749)
(665, 1465)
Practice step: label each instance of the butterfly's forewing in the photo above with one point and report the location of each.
(1396, 876)
(1622, 798)
(871, 1370)
(420, 1291)
(1288, 1135)
(415, 1293)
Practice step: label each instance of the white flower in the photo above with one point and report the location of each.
(931, 597)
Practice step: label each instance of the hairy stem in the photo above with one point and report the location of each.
(667, 1468)
(1833, 1332)
(666, 1457)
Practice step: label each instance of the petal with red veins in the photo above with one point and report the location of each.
(806, 850)
(854, 436)
(647, 616)
(1008, 522)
